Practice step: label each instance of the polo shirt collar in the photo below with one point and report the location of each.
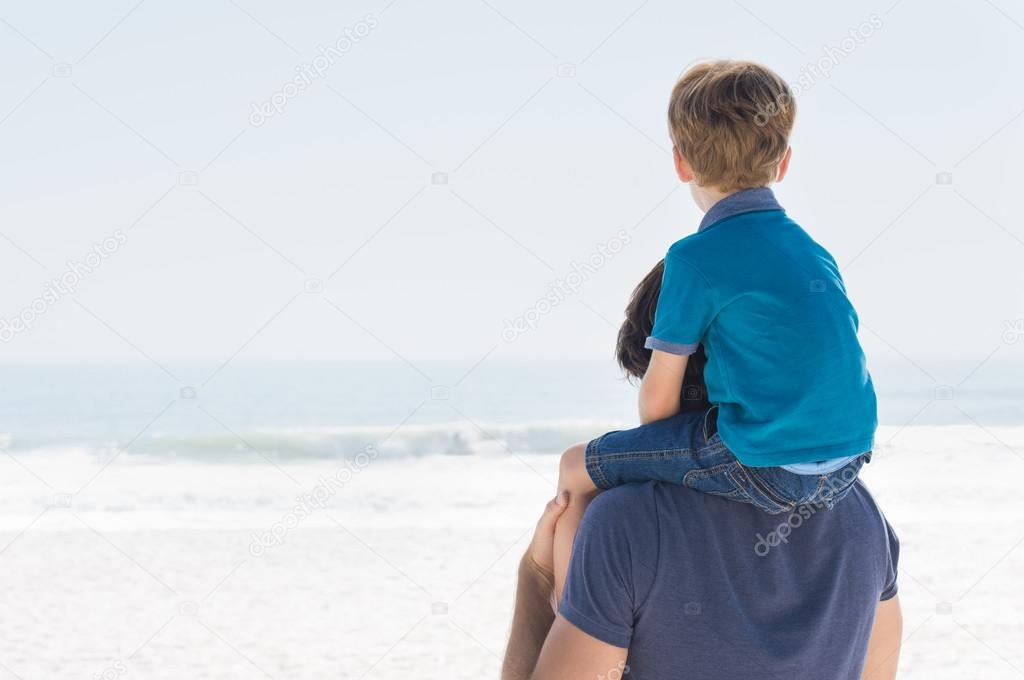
(743, 201)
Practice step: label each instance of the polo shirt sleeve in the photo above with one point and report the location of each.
(686, 305)
(889, 588)
(611, 569)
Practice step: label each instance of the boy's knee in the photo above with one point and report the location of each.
(572, 469)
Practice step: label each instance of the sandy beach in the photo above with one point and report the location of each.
(156, 569)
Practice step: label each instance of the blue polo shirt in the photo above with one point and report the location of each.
(784, 364)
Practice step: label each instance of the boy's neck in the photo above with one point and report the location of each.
(705, 197)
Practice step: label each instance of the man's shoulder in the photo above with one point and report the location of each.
(631, 506)
(626, 514)
(620, 509)
(623, 502)
(870, 521)
(629, 499)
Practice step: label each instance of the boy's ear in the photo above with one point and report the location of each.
(784, 164)
(683, 170)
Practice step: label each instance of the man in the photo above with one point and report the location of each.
(666, 582)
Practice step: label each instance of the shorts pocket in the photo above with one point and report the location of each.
(786, 488)
(716, 480)
(760, 493)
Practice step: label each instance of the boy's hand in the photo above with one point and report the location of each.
(661, 387)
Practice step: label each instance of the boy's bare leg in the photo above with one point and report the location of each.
(572, 477)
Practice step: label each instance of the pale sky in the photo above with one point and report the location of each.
(106, 110)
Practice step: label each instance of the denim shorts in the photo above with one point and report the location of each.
(686, 449)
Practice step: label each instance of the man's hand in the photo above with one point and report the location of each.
(539, 561)
(568, 653)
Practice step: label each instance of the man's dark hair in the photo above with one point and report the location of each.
(634, 358)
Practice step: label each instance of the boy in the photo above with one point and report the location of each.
(793, 411)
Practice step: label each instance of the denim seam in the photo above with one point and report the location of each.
(817, 492)
(630, 455)
(742, 490)
(704, 473)
(654, 454)
(592, 463)
(757, 483)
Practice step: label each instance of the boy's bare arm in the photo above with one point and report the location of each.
(661, 387)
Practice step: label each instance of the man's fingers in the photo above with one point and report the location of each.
(553, 510)
(540, 554)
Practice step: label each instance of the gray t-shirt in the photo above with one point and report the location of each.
(697, 586)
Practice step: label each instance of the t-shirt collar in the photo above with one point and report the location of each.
(745, 200)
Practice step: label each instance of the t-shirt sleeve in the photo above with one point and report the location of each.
(686, 305)
(610, 572)
(892, 565)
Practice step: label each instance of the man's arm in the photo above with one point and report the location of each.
(570, 653)
(884, 644)
(662, 386)
(531, 622)
(542, 646)
(545, 647)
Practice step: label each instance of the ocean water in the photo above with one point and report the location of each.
(212, 413)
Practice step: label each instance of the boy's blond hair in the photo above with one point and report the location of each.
(731, 121)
